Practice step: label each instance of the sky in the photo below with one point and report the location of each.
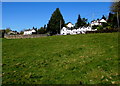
(24, 15)
(58, 0)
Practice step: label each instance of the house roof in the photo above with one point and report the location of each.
(68, 23)
(99, 20)
(29, 30)
(102, 20)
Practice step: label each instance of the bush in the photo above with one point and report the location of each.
(99, 27)
(42, 30)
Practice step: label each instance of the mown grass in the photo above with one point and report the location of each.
(72, 59)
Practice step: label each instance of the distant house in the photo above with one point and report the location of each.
(12, 33)
(103, 21)
(82, 30)
(98, 22)
(29, 32)
(69, 25)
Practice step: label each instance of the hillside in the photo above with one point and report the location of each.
(71, 59)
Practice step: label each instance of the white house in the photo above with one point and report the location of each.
(98, 22)
(70, 25)
(12, 33)
(81, 30)
(95, 22)
(29, 32)
(103, 21)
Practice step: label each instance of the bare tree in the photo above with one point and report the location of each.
(115, 7)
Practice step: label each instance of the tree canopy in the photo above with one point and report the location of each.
(7, 30)
(115, 7)
(56, 22)
(115, 17)
(42, 30)
(80, 22)
(103, 17)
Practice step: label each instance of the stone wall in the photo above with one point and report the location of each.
(24, 36)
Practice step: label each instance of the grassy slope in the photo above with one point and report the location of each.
(73, 59)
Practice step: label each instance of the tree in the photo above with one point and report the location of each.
(56, 22)
(21, 32)
(88, 24)
(33, 27)
(7, 30)
(78, 23)
(42, 30)
(45, 27)
(115, 10)
(84, 22)
(103, 17)
(112, 20)
(2, 32)
(81, 22)
(115, 7)
(35, 30)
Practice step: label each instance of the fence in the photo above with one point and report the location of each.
(24, 36)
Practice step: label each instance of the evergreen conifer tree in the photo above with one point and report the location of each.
(79, 21)
(56, 22)
(103, 17)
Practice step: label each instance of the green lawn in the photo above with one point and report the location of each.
(71, 59)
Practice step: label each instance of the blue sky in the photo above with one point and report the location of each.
(57, 0)
(24, 15)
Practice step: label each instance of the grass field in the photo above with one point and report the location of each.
(71, 59)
